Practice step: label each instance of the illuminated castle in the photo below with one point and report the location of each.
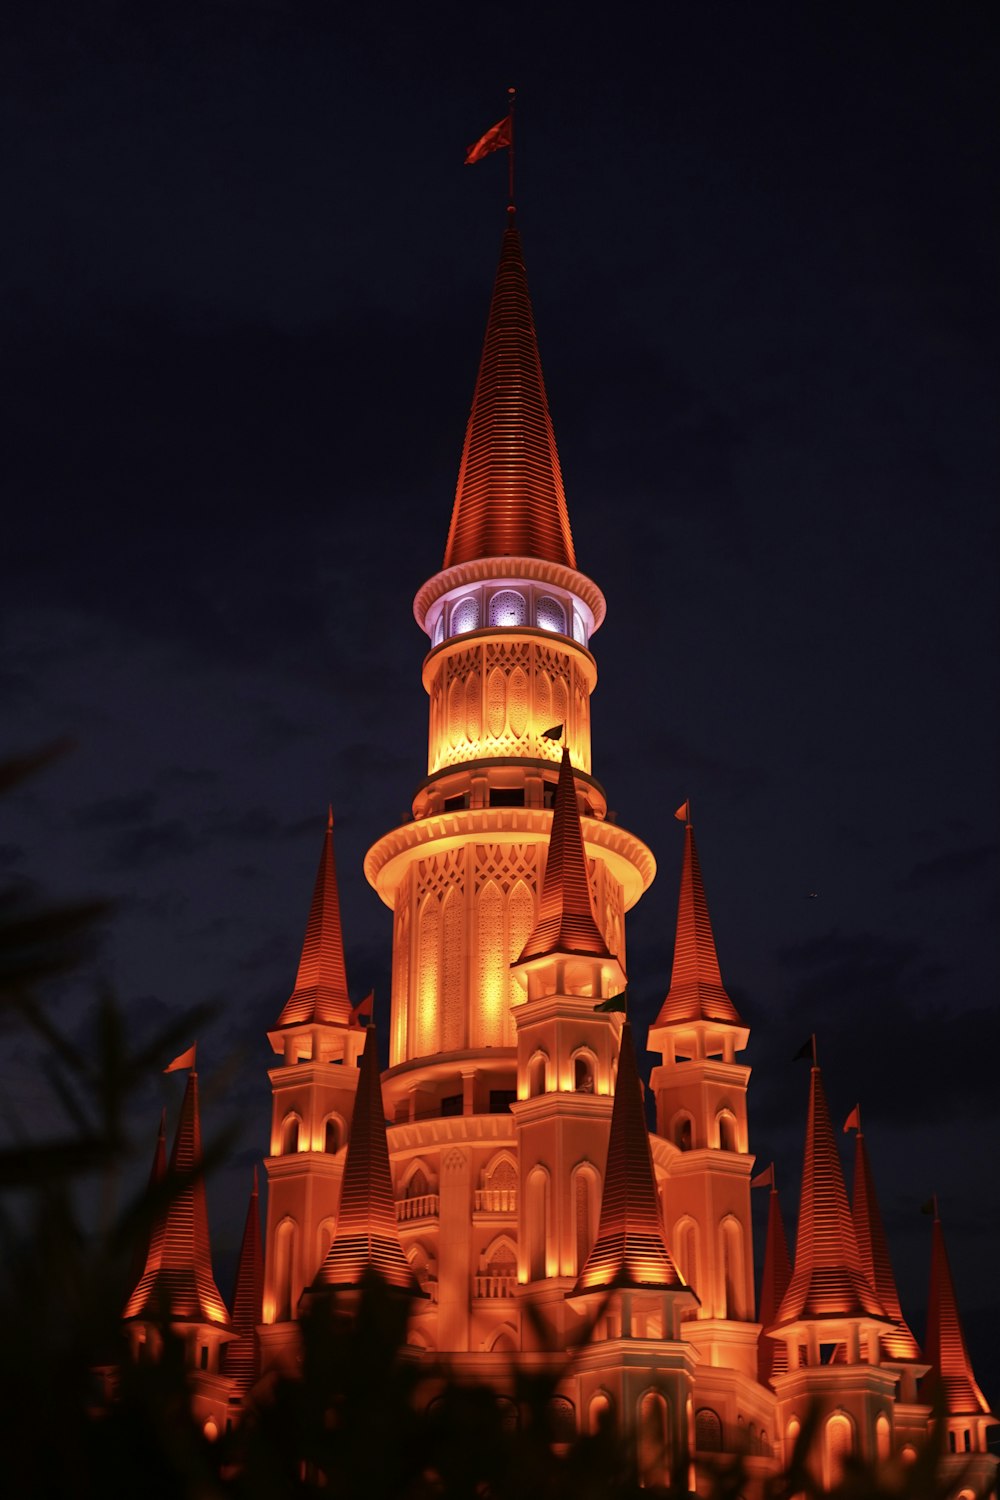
(516, 1168)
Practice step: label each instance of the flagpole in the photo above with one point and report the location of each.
(510, 152)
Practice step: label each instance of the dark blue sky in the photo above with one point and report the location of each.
(245, 279)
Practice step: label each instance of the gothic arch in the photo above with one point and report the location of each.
(585, 1196)
(600, 1413)
(538, 1071)
(537, 1212)
(686, 1250)
(499, 1179)
(428, 975)
(838, 1445)
(653, 1422)
(726, 1134)
(324, 1239)
(584, 1063)
(733, 1266)
(291, 1134)
(334, 1133)
(707, 1430)
(417, 1179)
(503, 1340)
(883, 1437)
(682, 1130)
(285, 1247)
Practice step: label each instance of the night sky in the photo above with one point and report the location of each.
(245, 279)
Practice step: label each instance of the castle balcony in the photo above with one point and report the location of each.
(424, 1206)
(495, 1200)
(489, 1287)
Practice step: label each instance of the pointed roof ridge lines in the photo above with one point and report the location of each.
(630, 1249)
(566, 922)
(828, 1280)
(366, 1238)
(243, 1354)
(945, 1348)
(772, 1355)
(696, 990)
(873, 1248)
(509, 499)
(320, 992)
(178, 1281)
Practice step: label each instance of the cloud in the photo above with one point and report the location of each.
(116, 812)
(955, 865)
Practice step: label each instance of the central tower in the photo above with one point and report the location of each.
(509, 676)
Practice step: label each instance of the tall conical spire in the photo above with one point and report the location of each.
(696, 990)
(630, 1249)
(178, 1282)
(243, 1354)
(157, 1172)
(566, 921)
(828, 1280)
(366, 1238)
(899, 1343)
(772, 1356)
(320, 992)
(944, 1346)
(509, 500)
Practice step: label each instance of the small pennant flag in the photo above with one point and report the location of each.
(555, 733)
(683, 813)
(615, 1002)
(495, 139)
(808, 1049)
(765, 1178)
(186, 1060)
(853, 1121)
(363, 1010)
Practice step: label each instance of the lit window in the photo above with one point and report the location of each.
(438, 630)
(550, 615)
(508, 608)
(579, 629)
(465, 615)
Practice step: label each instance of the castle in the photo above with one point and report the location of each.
(503, 1159)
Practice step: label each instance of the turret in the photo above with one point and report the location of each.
(243, 1354)
(772, 1357)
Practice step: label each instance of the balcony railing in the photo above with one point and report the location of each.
(424, 1206)
(495, 1286)
(496, 1200)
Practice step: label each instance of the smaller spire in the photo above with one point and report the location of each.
(772, 1355)
(157, 1172)
(178, 1281)
(630, 1249)
(243, 1354)
(696, 990)
(320, 992)
(366, 1237)
(899, 1343)
(945, 1346)
(566, 922)
(828, 1280)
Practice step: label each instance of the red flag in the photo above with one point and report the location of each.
(765, 1178)
(186, 1060)
(853, 1121)
(364, 1008)
(683, 813)
(495, 138)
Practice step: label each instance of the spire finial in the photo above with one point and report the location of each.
(329, 817)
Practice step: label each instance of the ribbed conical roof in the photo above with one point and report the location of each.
(696, 990)
(828, 1280)
(630, 1249)
(366, 1238)
(873, 1248)
(178, 1282)
(566, 921)
(243, 1354)
(157, 1172)
(320, 992)
(509, 500)
(944, 1347)
(772, 1355)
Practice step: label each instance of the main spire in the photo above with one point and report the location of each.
(178, 1282)
(366, 1238)
(828, 1280)
(696, 990)
(320, 992)
(899, 1342)
(630, 1249)
(509, 500)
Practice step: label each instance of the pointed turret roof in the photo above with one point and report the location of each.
(320, 992)
(899, 1343)
(566, 921)
(944, 1346)
(243, 1355)
(772, 1356)
(509, 500)
(696, 990)
(178, 1282)
(630, 1249)
(828, 1280)
(366, 1238)
(157, 1172)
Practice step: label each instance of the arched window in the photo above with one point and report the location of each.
(284, 1269)
(438, 635)
(332, 1135)
(686, 1247)
(579, 629)
(507, 607)
(536, 1218)
(600, 1413)
(654, 1439)
(727, 1130)
(733, 1269)
(707, 1430)
(324, 1238)
(562, 1419)
(586, 1203)
(838, 1444)
(883, 1437)
(465, 615)
(499, 1192)
(536, 1075)
(290, 1135)
(550, 615)
(583, 1073)
(683, 1132)
(416, 1184)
